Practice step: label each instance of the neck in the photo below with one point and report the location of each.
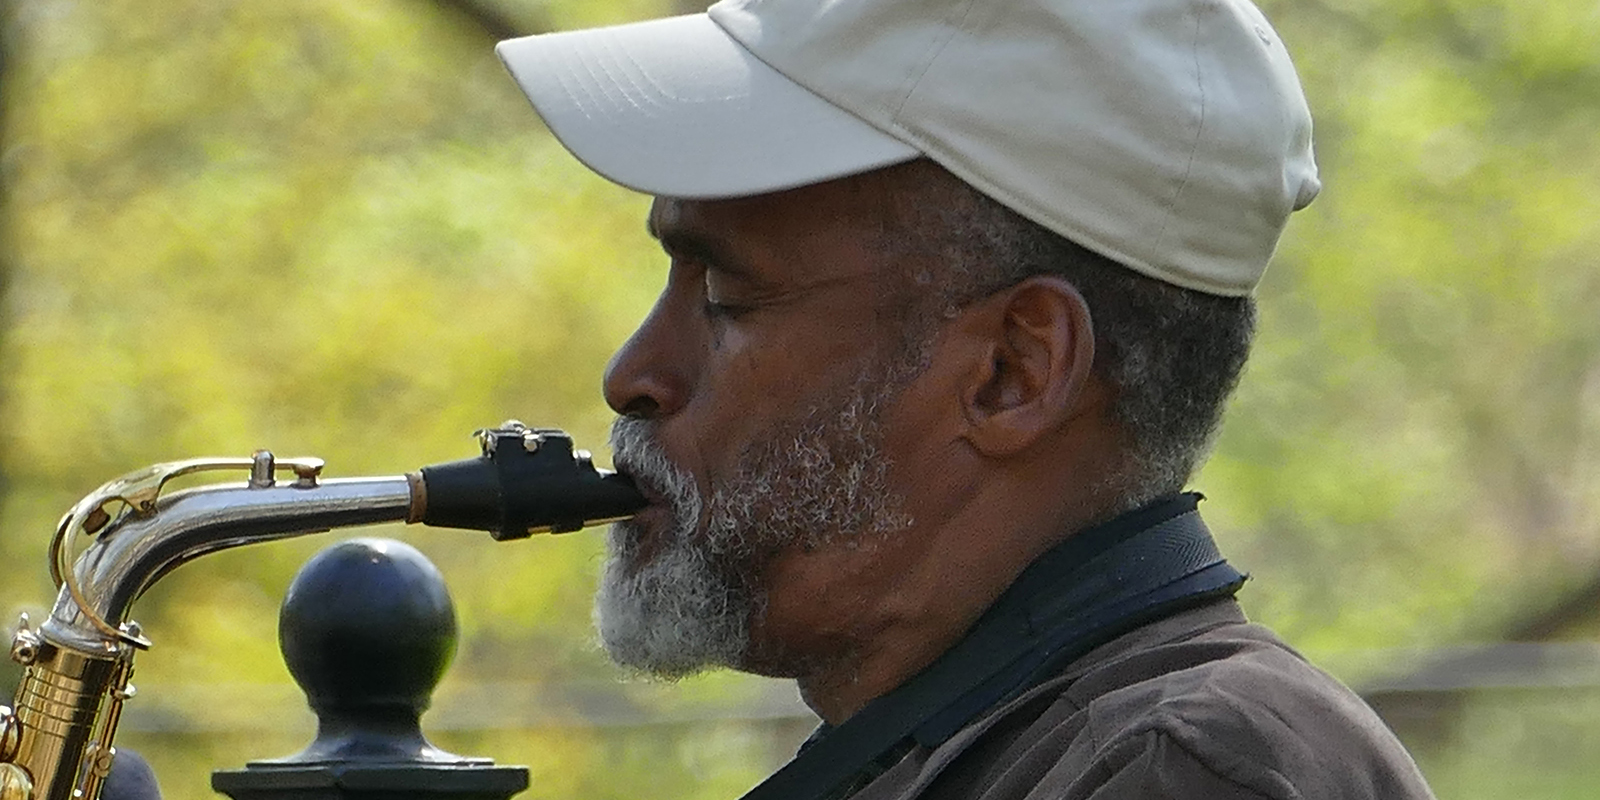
(910, 599)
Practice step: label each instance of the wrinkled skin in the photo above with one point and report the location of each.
(839, 486)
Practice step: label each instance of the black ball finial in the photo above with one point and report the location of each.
(367, 630)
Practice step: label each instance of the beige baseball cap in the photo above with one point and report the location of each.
(1169, 135)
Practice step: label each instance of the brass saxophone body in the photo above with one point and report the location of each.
(57, 742)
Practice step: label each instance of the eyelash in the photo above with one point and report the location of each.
(721, 311)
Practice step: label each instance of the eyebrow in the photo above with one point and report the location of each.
(694, 244)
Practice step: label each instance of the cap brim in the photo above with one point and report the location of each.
(675, 107)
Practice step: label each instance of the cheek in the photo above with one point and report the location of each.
(738, 394)
(814, 601)
(749, 384)
(930, 462)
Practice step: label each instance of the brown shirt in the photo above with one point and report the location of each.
(1201, 704)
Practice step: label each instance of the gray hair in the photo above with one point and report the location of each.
(1171, 355)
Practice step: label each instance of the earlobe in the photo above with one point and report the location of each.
(1040, 348)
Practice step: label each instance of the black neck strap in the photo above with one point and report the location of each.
(1095, 586)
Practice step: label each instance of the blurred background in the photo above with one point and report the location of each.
(336, 229)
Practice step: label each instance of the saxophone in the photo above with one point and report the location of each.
(57, 743)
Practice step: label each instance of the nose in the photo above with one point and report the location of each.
(649, 376)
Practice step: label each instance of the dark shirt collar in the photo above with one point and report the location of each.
(1096, 585)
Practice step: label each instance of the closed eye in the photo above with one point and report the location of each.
(723, 311)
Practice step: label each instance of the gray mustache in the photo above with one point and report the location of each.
(637, 451)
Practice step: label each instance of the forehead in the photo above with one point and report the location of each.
(808, 227)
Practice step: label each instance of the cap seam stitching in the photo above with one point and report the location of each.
(1169, 207)
(914, 82)
(807, 85)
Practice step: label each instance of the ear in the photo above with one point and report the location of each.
(1039, 339)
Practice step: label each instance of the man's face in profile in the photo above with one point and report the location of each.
(756, 400)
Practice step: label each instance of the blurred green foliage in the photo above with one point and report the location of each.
(337, 229)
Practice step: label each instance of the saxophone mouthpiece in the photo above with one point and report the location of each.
(528, 480)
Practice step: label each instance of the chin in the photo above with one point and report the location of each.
(669, 612)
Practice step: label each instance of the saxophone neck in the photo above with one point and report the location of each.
(526, 480)
(140, 532)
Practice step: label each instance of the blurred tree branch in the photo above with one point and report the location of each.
(493, 21)
(1575, 608)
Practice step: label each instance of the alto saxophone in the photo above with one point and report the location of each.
(57, 743)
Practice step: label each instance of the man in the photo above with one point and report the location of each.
(957, 291)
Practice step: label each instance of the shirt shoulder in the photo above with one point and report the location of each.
(1200, 705)
(1236, 704)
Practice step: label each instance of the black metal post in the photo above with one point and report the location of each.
(367, 630)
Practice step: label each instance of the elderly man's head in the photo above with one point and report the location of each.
(761, 399)
(951, 279)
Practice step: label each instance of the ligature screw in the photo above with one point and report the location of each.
(489, 438)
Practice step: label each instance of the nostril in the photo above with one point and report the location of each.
(643, 407)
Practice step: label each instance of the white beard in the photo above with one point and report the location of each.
(693, 603)
(676, 613)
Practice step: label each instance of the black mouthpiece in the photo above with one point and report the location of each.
(528, 480)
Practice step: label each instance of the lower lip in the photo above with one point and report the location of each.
(653, 515)
(645, 532)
